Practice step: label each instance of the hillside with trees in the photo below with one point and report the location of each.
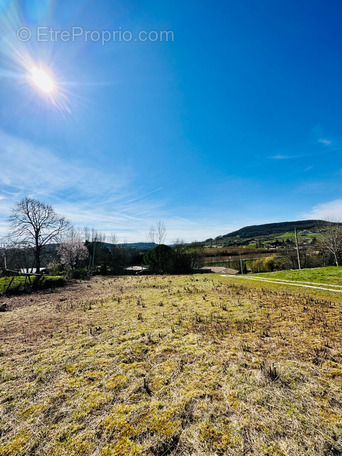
(269, 232)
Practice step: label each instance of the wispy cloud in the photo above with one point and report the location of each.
(86, 195)
(108, 201)
(325, 142)
(111, 201)
(31, 168)
(281, 157)
(331, 210)
(318, 146)
(131, 222)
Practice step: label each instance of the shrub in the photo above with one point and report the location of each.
(80, 273)
(52, 282)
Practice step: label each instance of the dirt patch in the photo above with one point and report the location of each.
(69, 294)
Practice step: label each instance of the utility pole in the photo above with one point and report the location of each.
(241, 268)
(297, 247)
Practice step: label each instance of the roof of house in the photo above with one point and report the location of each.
(220, 270)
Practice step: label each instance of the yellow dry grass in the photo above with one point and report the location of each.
(185, 365)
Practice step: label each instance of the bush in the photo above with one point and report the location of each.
(268, 264)
(54, 269)
(165, 260)
(52, 282)
(160, 259)
(81, 273)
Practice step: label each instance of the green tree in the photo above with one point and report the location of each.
(160, 259)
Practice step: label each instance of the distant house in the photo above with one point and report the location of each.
(219, 270)
(136, 269)
(230, 271)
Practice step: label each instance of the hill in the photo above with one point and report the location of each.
(270, 231)
(140, 246)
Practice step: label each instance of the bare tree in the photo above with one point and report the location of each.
(160, 232)
(157, 234)
(114, 239)
(34, 225)
(331, 240)
(152, 234)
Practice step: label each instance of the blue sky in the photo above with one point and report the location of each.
(237, 120)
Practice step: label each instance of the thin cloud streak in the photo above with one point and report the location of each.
(330, 210)
(281, 157)
(326, 146)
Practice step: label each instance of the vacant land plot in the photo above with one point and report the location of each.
(187, 365)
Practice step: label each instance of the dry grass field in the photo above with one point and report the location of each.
(182, 365)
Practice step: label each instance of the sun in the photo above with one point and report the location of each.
(51, 90)
(42, 80)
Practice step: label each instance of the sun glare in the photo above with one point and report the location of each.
(42, 80)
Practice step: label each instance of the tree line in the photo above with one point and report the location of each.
(39, 235)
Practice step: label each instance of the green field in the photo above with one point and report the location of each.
(17, 283)
(327, 275)
(5, 281)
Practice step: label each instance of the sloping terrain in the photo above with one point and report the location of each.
(271, 231)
